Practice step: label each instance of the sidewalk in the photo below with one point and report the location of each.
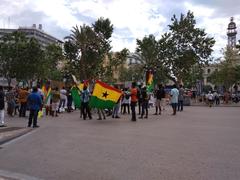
(15, 127)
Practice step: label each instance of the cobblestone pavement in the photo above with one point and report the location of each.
(200, 143)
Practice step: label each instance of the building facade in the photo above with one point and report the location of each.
(43, 38)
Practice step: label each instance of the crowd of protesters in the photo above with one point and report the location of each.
(20, 100)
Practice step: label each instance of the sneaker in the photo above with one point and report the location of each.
(36, 126)
(117, 117)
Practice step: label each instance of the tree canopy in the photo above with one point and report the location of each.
(86, 48)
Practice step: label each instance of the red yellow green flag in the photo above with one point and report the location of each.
(149, 81)
(47, 93)
(104, 96)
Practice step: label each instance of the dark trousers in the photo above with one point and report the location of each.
(86, 110)
(139, 107)
(180, 105)
(144, 108)
(133, 105)
(23, 109)
(33, 117)
(126, 106)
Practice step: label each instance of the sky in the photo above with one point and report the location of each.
(132, 19)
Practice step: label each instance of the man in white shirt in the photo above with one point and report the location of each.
(63, 97)
(174, 98)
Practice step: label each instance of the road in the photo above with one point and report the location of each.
(200, 143)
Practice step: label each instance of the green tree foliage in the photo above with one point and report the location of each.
(53, 57)
(229, 71)
(20, 57)
(86, 48)
(25, 59)
(184, 46)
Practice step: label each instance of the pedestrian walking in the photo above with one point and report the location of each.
(180, 98)
(34, 102)
(174, 98)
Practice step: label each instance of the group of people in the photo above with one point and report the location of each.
(22, 99)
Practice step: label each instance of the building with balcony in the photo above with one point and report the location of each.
(34, 32)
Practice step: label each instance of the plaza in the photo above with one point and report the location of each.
(198, 143)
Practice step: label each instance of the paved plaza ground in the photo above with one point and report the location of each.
(200, 143)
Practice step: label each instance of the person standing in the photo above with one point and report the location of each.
(126, 102)
(180, 98)
(160, 94)
(2, 105)
(139, 97)
(85, 97)
(210, 98)
(34, 102)
(55, 101)
(22, 96)
(145, 99)
(134, 99)
(174, 98)
(10, 98)
(63, 97)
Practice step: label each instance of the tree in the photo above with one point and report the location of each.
(184, 46)
(229, 71)
(87, 46)
(53, 58)
(20, 57)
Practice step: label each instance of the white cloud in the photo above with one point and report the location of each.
(139, 17)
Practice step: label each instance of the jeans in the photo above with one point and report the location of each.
(33, 116)
(144, 107)
(115, 110)
(62, 103)
(86, 110)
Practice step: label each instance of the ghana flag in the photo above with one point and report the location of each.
(104, 96)
(76, 96)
